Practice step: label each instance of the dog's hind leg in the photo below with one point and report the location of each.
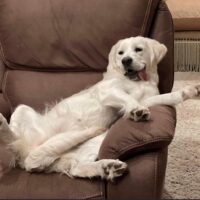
(81, 162)
(44, 155)
(6, 134)
(106, 169)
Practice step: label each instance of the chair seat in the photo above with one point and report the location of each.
(19, 184)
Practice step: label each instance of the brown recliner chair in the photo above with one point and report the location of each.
(53, 49)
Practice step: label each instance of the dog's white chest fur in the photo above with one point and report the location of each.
(87, 108)
(84, 110)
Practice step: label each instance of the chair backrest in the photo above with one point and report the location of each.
(52, 49)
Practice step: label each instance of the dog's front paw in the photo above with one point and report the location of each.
(113, 169)
(38, 160)
(140, 114)
(191, 92)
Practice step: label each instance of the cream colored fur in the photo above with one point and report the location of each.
(67, 137)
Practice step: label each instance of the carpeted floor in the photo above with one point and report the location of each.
(183, 169)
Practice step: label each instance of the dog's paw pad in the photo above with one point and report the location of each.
(141, 114)
(191, 92)
(146, 116)
(113, 169)
(198, 89)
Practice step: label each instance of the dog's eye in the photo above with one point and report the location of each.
(138, 49)
(120, 52)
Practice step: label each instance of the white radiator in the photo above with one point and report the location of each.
(187, 55)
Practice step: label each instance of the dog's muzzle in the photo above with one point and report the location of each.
(131, 73)
(137, 75)
(127, 63)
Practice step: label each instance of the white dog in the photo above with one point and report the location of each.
(67, 137)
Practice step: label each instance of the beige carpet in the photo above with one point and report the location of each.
(183, 170)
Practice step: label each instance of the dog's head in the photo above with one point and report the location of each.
(136, 56)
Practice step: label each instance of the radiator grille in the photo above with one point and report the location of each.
(187, 55)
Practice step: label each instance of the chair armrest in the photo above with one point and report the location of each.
(126, 137)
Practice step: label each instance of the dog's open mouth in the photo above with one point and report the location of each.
(140, 75)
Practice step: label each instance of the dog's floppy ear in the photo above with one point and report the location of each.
(158, 51)
(112, 56)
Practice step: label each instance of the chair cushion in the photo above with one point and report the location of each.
(18, 184)
(185, 13)
(127, 138)
(37, 89)
(67, 34)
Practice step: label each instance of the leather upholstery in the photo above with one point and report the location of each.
(53, 49)
(18, 184)
(127, 138)
(27, 186)
(144, 178)
(51, 87)
(73, 35)
(163, 31)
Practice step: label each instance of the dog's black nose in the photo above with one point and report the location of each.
(127, 61)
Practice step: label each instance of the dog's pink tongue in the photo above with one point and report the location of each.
(142, 74)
